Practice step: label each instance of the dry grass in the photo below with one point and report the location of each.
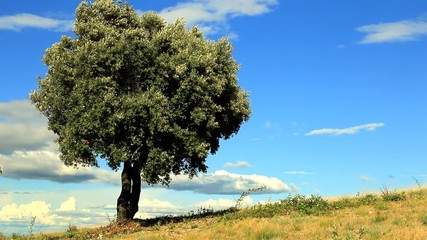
(397, 222)
(405, 218)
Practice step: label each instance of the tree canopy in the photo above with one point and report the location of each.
(134, 89)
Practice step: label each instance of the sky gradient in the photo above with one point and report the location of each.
(337, 89)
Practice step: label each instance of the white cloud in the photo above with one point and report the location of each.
(155, 207)
(39, 209)
(401, 31)
(217, 204)
(221, 203)
(68, 205)
(24, 20)
(27, 150)
(22, 127)
(21, 111)
(212, 15)
(16, 217)
(298, 173)
(239, 164)
(223, 182)
(341, 131)
(44, 164)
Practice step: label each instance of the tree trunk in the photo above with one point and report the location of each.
(127, 203)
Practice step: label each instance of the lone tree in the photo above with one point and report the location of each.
(150, 98)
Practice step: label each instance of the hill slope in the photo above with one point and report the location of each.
(389, 215)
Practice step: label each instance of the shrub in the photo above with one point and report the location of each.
(71, 231)
(343, 203)
(368, 199)
(314, 205)
(390, 196)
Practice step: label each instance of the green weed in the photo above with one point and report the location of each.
(390, 196)
(424, 220)
(379, 218)
(266, 235)
(71, 231)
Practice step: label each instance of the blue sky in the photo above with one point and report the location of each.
(337, 90)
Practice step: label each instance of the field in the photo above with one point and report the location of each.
(388, 215)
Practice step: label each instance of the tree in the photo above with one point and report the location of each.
(151, 98)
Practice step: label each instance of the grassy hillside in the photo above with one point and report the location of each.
(389, 215)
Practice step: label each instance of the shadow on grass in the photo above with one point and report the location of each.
(201, 213)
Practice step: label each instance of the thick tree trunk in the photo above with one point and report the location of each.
(127, 203)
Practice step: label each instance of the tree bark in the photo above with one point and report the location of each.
(127, 203)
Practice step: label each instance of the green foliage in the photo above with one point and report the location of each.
(313, 205)
(71, 231)
(379, 218)
(362, 232)
(335, 234)
(344, 202)
(348, 202)
(390, 196)
(368, 199)
(131, 88)
(157, 226)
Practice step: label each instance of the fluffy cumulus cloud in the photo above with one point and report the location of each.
(238, 164)
(401, 31)
(341, 131)
(223, 182)
(16, 217)
(24, 20)
(68, 206)
(39, 209)
(212, 15)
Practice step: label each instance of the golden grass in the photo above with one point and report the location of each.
(405, 219)
(383, 220)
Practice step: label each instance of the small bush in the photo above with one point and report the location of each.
(71, 231)
(343, 203)
(390, 196)
(368, 199)
(314, 205)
